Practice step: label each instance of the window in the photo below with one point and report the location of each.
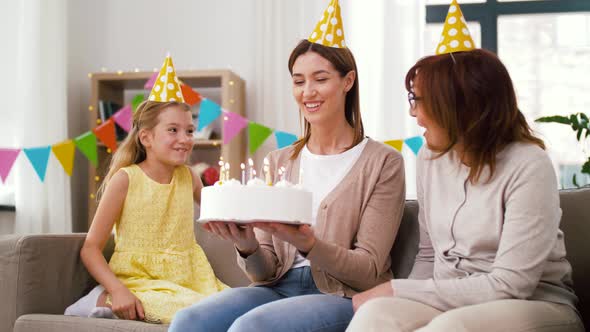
(545, 45)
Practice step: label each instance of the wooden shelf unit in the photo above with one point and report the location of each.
(225, 88)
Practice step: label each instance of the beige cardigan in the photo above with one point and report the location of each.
(485, 242)
(356, 225)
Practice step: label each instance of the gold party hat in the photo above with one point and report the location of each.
(329, 31)
(167, 86)
(455, 36)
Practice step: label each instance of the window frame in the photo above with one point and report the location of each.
(487, 14)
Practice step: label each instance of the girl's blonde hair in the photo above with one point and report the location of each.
(131, 151)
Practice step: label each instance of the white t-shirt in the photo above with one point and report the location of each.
(321, 174)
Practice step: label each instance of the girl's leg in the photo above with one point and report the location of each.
(86, 304)
(299, 313)
(392, 314)
(219, 311)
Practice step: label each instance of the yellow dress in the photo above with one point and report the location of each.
(156, 255)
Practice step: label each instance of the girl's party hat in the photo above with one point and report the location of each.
(167, 86)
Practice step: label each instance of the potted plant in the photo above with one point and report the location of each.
(580, 125)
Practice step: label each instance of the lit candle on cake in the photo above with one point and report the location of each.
(243, 167)
(221, 169)
(227, 176)
(266, 169)
(251, 172)
(221, 172)
(282, 173)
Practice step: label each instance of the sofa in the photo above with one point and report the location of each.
(40, 275)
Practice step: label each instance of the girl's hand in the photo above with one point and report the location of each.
(125, 305)
(301, 236)
(383, 290)
(242, 236)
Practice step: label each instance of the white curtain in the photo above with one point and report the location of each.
(386, 37)
(40, 114)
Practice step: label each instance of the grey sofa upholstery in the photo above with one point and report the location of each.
(40, 275)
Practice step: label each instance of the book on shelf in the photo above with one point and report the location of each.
(106, 109)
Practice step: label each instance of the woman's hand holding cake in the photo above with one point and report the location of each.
(301, 236)
(242, 236)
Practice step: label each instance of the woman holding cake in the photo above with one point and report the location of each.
(304, 277)
(491, 256)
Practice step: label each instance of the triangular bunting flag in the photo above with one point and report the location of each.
(284, 139)
(191, 96)
(257, 134)
(208, 112)
(138, 99)
(396, 144)
(123, 118)
(64, 152)
(7, 158)
(232, 124)
(150, 83)
(39, 158)
(106, 133)
(86, 143)
(415, 143)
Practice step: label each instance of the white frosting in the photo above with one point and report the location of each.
(256, 182)
(255, 202)
(283, 184)
(232, 182)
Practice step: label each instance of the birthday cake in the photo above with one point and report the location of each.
(256, 201)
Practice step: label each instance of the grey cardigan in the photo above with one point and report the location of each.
(356, 225)
(488, 241)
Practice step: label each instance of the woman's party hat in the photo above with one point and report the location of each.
(328, 31)
(455, 36)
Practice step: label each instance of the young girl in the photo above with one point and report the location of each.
(157, 267)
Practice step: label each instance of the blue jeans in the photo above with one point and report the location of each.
(293, 304)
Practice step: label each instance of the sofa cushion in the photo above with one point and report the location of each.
(575, 224)
(405, 246)
(49, 323)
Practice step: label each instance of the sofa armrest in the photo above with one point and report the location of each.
(40, 274)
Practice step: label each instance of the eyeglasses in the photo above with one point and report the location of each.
(412, 99)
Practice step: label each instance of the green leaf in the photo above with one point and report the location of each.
(580, 131)
(584, 117)
(574, 181)
(586, 167)
(555, 118)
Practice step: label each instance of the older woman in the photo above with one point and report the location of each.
(491, 255)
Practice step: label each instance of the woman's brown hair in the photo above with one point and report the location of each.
(343, 61)
(131, 151)
(470, 95)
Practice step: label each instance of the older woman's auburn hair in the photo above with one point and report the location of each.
(470, 95)
(344, 62)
